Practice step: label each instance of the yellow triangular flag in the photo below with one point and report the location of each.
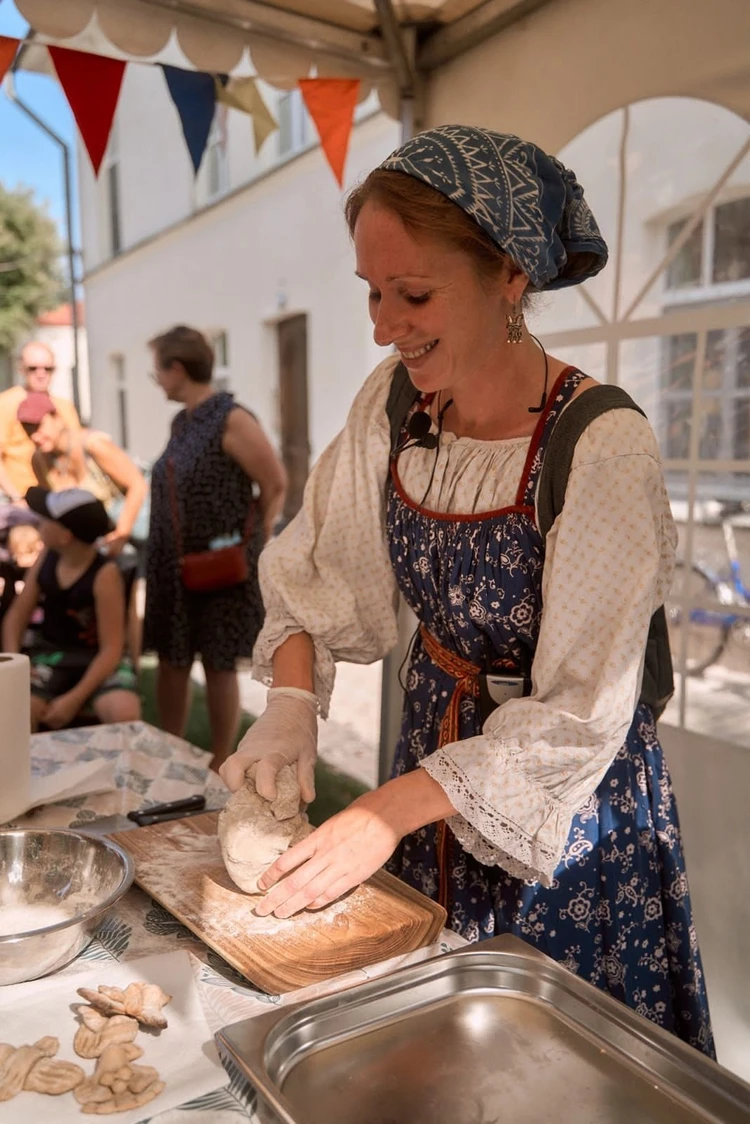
(243, 94)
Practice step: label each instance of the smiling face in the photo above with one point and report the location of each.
(50, 433)
(427, 299)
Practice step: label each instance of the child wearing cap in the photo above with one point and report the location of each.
(78, 659)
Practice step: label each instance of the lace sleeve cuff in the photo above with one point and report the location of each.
(524, 832)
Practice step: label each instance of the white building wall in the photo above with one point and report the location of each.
(155, 173)
(277, 247)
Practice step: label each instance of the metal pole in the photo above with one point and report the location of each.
(391, 693)
(65, 150)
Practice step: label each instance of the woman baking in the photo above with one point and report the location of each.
(553, 819)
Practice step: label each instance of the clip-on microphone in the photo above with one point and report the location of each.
(543, 402)
(418, 429)
(418, 433)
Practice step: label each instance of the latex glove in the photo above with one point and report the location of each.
(286, 731)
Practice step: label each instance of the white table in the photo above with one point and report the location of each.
(150, 766)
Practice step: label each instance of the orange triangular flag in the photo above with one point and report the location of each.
(8, 48)
(92, 87)
(331, 103)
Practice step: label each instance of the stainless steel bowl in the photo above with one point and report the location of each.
(43, 868)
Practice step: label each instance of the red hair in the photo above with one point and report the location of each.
(426, 213)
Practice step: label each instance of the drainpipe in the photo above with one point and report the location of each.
(66, 156)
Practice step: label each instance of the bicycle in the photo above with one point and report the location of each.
(711, 629)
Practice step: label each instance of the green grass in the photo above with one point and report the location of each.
(334, 790)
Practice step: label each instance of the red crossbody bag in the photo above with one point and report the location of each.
(206, 570)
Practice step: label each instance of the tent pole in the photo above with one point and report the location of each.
(391, 694)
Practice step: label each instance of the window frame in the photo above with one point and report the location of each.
(698, 310)
(216, 157)
(706, 289)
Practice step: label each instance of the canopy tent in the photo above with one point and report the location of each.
(542, 68)
(349, 37)
(375, 41)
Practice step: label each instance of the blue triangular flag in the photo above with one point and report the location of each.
(194, 96)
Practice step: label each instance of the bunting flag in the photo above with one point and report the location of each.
(194, 96)
(8, 48)
(331, 103)
(243, 94)
(92, 86)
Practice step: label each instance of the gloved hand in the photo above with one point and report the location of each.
(286, 731)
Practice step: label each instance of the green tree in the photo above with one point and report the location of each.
(30, 277)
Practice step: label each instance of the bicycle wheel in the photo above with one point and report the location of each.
(708, 632)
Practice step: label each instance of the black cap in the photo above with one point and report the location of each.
(74, 508)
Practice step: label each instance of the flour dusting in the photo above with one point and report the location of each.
(190, 878)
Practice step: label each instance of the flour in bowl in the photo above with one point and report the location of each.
(27, 917)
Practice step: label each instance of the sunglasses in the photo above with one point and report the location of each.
(40, 367)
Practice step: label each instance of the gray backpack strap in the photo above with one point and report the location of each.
(558, 456)
(401, 397)
(658, 681)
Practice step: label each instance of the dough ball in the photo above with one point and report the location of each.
(253, 832)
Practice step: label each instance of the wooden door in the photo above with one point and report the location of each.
(293, 408)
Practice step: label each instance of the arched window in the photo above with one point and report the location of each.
(669, 320)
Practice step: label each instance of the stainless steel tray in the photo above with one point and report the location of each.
(495, 1032)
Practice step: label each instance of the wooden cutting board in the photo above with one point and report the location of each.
(179, 864)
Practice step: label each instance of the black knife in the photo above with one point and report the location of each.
(174, 810)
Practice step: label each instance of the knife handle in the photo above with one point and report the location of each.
(144, 820)
(171, 810)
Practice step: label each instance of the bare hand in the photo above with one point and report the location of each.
(61, 711)
(115, 543)
(340, 855)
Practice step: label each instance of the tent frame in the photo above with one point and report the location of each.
(373, 52)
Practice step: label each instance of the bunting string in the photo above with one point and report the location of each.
(92, 84)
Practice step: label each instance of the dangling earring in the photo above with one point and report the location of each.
(514, 321)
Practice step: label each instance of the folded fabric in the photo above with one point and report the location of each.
(71, 780)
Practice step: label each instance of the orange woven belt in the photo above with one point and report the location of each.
(466, 676)
(467, 683)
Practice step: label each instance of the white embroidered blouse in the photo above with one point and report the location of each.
(608, 565)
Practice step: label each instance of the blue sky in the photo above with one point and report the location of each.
(27, 156)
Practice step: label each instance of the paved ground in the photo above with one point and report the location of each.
(717, 703)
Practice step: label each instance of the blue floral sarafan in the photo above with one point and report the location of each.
(529, 204)
(618, 911)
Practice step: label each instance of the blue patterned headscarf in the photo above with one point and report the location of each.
(530, 204)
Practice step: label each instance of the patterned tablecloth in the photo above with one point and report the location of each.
(150, 767)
